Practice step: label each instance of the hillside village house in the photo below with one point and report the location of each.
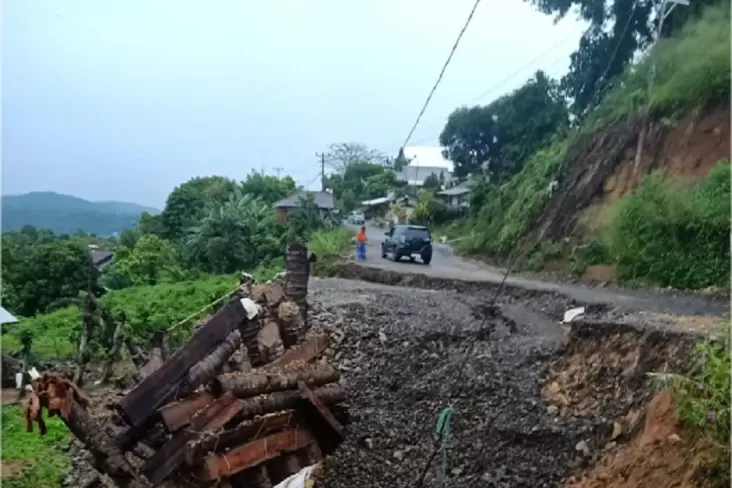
(100, 257)
(456, 197)
(323, 200)
(422, 161)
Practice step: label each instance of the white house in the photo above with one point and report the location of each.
(422, 161)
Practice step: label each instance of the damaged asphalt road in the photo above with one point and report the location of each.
(446, 265)
(401, 354)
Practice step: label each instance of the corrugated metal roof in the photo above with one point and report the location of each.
(6, 317)
(427, 157)
(457, 190)
(323, 199)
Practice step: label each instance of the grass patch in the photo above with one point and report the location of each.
(329, 246)
(147, 308)
(667, 234)
(44, 464)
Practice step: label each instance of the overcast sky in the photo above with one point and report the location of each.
(124, 100)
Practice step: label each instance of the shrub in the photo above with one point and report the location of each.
(588, 254)
(667, 234)
(328, 246)
(540, 255)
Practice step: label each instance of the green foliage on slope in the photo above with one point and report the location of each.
(146, 307)
(693, 72)
(667, 234)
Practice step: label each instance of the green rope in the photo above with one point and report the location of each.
(442, 432)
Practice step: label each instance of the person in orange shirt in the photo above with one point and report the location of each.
(361, 244)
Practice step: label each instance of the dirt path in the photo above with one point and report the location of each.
(446, 265)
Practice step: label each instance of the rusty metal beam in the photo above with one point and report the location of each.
(314, 347)
(247, 431)
(330, 432)
(255, 453)
(171, 455)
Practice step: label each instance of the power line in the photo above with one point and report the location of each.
(442, 72)
(508, 78)
(519, 252)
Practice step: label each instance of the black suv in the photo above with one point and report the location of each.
(414, 241)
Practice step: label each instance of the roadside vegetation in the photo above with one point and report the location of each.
(661, 234)
(702, 402)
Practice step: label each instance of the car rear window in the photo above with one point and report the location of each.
(415, 233)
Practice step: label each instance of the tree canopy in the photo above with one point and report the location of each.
(340, 156)
(39, 268)
(498, 137)
(617, 31)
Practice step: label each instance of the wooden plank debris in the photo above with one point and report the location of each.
(329, 431)
(178, 414)
(248, 431)
(142, 402)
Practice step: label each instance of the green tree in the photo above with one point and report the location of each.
(401, 161)
(39, 269)
(187, 203)
(431, 183)
(266, 188)
(238, 234)
(303, 220)
(151, 224)
(617, 31)
(151, 260)
(379, 185)
(365, 180)
(498, 138)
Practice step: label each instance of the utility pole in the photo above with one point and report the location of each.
(277, 170)
(322, 170)
(662, 14)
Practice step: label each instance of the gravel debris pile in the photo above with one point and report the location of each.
(401, 352)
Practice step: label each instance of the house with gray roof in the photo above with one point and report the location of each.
(323, 199)
(456, 197)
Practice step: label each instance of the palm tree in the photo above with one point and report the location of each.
(235, 235)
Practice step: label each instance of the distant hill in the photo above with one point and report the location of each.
(65, 214)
